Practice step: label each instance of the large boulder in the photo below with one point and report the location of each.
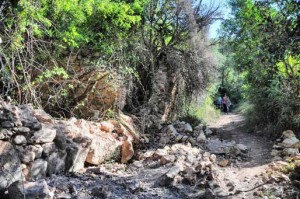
(171, 131)
(30, 190)
(224, 147)
(45, 135)
(290, 152)
(92, 93)
(103, 145)
(20, 139)
(127, 151)
(26, 155)
(42, 116)
(289, 142)
(38, 169)
(201, 137)
(187, 128)
(287, 145)
(60, 140)
(48, 148)
(27, 118)
(5, 134)
(77, 152)
(29, 153)
(288, 134)
(107, 126)
(208, 131)
(10, 115)
(242, 148)
(10, 165)
(56, 162)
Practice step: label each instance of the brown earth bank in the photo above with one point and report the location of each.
(46, 158)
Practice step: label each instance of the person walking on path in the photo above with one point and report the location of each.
(225, 104)
(228, 104)
(219, 102)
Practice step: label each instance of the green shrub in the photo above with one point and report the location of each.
(205, 112)
(244, 107)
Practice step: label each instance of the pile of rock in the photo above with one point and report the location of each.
(201, 136)
(229, 149)
(33, 145)
(182, 132)
(187, 168)
(277, 182)
(287, 146)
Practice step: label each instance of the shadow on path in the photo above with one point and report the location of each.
(244, 175)
(232, 127)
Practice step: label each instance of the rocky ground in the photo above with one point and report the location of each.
(259, 174)
(221, 160)
(181, 170)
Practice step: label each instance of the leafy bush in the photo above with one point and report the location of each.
(205, 112)
(265, 46)
(42, 41)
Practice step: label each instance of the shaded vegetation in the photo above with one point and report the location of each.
(262, 38)
(42, 40)
(67, 55)
(151, 57)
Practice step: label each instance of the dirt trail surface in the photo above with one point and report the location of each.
(245, 176)
(231, 127)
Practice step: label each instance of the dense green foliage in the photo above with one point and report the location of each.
(42, 40)
(52, 49)
(206, 111)
(229, 80)
(263, 37)
(73, 23)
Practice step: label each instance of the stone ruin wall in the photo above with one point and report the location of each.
(33, 145)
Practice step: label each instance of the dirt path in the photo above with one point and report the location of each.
(243, 176)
